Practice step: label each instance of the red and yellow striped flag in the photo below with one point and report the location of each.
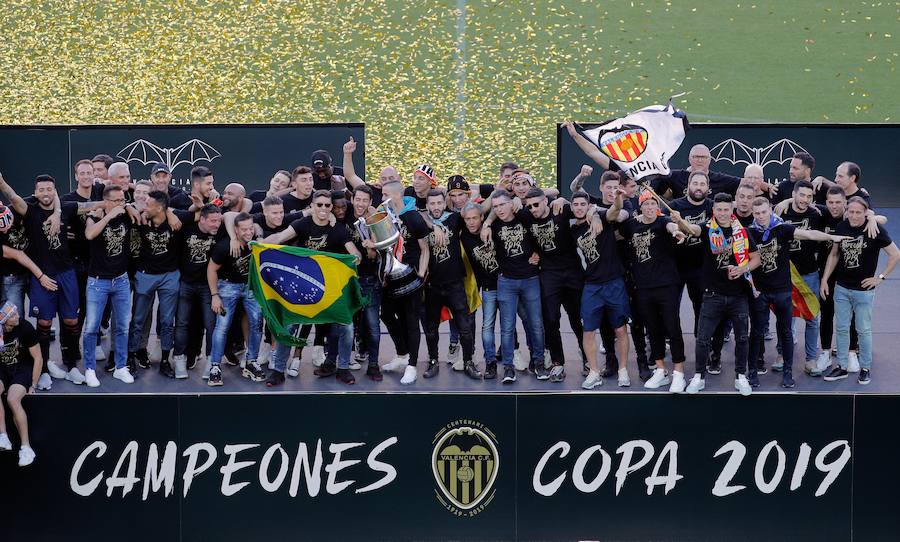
(805, 301)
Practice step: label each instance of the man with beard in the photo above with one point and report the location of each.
(319, 232)
(161, 179)
(729, 256)
(651, 249)
(233, 199)
(855, 262)
(560, 276)
(800, 169)
(227, 277)
(195, 242)
(445, 286)
(108, 233)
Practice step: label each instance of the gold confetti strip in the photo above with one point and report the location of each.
(461, 85)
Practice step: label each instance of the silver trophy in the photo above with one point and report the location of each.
(399, 279)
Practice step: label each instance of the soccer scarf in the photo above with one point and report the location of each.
(739, 245)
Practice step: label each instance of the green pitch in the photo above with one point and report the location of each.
(462, 85)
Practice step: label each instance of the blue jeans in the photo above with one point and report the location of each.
(340, 345)
(848, 302)
(488, 319)
(165, 285)
(283, 351)
(811, 335)
(510, 294)
(99, 292)
(232, 293)
(783, 308)
(370, 317)
(14, 287)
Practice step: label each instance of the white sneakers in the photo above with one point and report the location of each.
(45, 382)
(458, 364)
(853, 364)
(678, 382)
(56, 370)
(294, 368)
(318, 355)
(124, 375)
(74, 376)
(592, 381)
(520, 362)
(5, 444)
(99, 353)
(742, 386)
(26, 456)
(697, 384)
(399, 362)
(658, 379)
(822, 364)
(624, 381)
(181, 371)
(409, 375)
(90, 378)
(354, 365)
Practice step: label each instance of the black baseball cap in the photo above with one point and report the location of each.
(457, 182)
(159, 166)
(320, 159)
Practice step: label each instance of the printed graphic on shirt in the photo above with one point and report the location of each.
(723, 259)
(512, 237)
(53, 240)
(699, 219)
(768, 254)
(316, 243)
(794, 244)
(852, 250)
(486, 257)
(242, 264)
(588, 245)
(198, 248)
(10, 353)
(114, 238)
(16, 238)
(545, 234)
(440, 252)
(641, 244)
(159, 242)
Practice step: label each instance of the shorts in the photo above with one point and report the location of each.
(609, 299)
(16, 373)
(45, 304)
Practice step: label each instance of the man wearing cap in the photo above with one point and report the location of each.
(20, 367)
(423, 181)
(324, 175)
(161, 178)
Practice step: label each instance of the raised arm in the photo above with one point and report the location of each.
(684, 225)
(349, 169)
(586, 146)
(583, 175)
(15, 200)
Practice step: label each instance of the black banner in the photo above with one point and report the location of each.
(248, 154)
(733, 146)
(454, 467)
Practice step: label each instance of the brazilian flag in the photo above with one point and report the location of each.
(296, 285)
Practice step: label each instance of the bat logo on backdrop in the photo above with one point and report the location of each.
(465, 464)
(190, 152)
(735, 152)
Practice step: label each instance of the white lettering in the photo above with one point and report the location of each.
(581, 463)
(312, 472)
(835, 467)
(332, 486)
(85, 490)
(232, 466)
(626, 467)
(390, 473)
(670, 452)
(129, 457)
(269, 485)
(801, 466)
(738, 451)
(769, 487)
(156, 475)
(548, 490)
(192, 470)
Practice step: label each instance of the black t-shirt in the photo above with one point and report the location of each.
(367, 267)
(257, 195)
(786, 190)
(231, 269)
(79, 247)
(325, 238)
(420, 202)
(109, 251)
(862, 193)
(744, 220)
(377, 196)
(677, 181)
(158, 252)
(651, 251)
(51, 254)
(599, 254)
(195, 246)
(292, 204)
(483, 259)
(446, 263)
(689, 255)
(179, 199)
(715, 266)
(553, 238)
(803, 253)
(16, 344)
(774, 272)
(260, 220)
(858, 256)
(829, 224)
(16, 237)
(514, 246)
(412, 228)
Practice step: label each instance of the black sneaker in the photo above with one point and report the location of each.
(753, 379)
(325, 370)
(374, 372)
(644, 372)
(110, 363)
(231, 359)
(471, 370)
(787, 379)
(345, 376)
(509, 374)
(142, 358)
(165, 369)
(761, 369)
(557, 374)
(433, 369)
(276, 378)
(610, 369)
(864, 377)
(215, 376)
(836, 373)
(253, 371)
(490, 371)
(714, 366)
(541, 372)
(131, 363)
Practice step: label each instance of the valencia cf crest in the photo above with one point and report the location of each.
(625, 144)
(465, 463)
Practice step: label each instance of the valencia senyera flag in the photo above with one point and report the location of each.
(296, 285)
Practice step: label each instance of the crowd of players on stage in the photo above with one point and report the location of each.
(616, 257)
